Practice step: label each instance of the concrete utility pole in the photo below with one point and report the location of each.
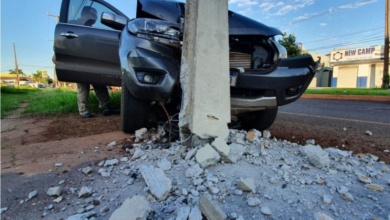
(55, 80)
(385, 79)
(204, 74)
(16, 68)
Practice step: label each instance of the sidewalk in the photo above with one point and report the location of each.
(347, 97)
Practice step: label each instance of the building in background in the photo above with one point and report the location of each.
(10, 79)
(357, 68)
(323, 76)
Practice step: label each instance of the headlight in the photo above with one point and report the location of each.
(282, 50)
(156, 30)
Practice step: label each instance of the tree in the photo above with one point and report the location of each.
(38, 77)
(41, 77)
(14, 72)
(289, 42)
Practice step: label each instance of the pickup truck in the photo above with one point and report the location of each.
(142, 55)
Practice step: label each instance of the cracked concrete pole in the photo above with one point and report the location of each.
(204, 75)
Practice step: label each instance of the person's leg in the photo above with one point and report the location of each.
(103, 96)
(82, 99)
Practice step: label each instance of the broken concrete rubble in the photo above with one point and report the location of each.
(85, 191)
(247, 185)
(236, 152)
(253, 135)
(136, 208)
(220, 145)
(278, 176)
(211, 210)
(315, 155)
(54, 191)
(32, 194)
(159, 185)
(207, 156)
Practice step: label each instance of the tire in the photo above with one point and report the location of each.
(134, 112)
(260, 120)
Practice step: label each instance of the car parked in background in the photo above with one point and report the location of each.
(143, 56)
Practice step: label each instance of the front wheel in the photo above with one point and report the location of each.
(259, 120)
(134, 112)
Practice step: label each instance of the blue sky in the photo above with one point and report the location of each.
(321, 25)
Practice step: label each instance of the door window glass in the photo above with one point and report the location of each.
(87, 13)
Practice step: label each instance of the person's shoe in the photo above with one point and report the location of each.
(106, 112)
(87, 115)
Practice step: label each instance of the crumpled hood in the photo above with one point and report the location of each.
(174, 11)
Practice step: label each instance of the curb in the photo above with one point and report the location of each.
(347, 97)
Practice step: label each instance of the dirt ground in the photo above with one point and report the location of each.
(32, 145)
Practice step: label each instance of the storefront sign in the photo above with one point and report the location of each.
(357, 54)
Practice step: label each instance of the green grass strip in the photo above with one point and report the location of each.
(48, 101)
(349, 91)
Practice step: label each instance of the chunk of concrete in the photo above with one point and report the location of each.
(211, 210)
(54, 191)
(164, 164)
(195, 214)
(315, 155)
(247, 185)
(207, 156)
(85, 191)
(112, 162)
(221, 146)
(159, 184)
(190, 154)
(182, 213)
(194, 171)
(141, 134)
(253, 135)
(236, 152)
(136, 208)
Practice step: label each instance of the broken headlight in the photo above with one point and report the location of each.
(156, 30)
(281, 49)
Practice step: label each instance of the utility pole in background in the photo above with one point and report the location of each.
(385, 79)
(55, 80)
(16, 68)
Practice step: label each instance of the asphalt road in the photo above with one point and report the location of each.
(359, 111)
(358, 126)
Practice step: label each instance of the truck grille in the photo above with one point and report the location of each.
(242, 60)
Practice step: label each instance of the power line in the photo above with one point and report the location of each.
(344, 35)
(346, 44)
(329, 11)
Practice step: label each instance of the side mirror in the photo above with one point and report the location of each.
(112, 20)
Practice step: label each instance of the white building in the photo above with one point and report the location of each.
(357, 68)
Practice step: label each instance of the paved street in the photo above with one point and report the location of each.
(364, 111)
(359, 126)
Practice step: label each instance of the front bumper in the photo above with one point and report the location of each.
(142, 55)
(282, 86)
(271, 89)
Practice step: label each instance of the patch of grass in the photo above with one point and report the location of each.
(11, 98)
(48, 101)
(349, 91)
(60, 101)
(53, 101)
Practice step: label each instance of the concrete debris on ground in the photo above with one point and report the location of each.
(136, 208)
(54, 191)
(159, 185)
(246, 176)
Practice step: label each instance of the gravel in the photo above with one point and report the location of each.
(265, 178)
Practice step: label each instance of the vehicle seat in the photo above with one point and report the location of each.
(88, 16)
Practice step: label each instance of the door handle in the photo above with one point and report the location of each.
(69, 35)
